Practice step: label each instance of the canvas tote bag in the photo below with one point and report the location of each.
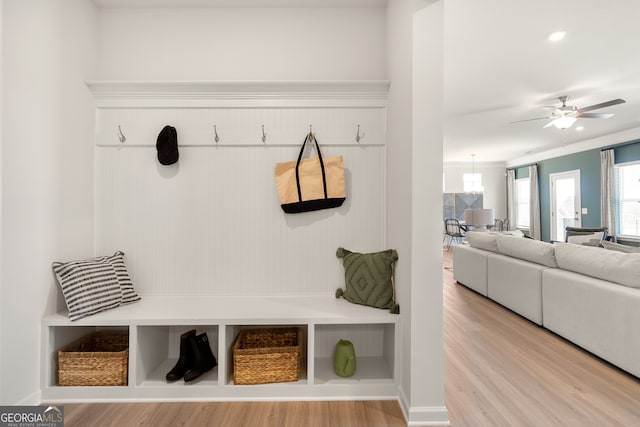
(310, 184)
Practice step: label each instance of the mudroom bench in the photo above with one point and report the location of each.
(154, 326)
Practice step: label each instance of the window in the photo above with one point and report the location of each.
(522, 191)
(627, 176)
(472, 183)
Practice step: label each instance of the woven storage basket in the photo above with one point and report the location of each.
(262, 356)
(98, 359)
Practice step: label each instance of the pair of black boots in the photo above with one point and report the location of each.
(195, 359)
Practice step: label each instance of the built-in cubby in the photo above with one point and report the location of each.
(232, 332)
(57, 337)
(159, 349)
(375, 354)
(154, 340)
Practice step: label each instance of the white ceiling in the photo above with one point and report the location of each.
(499, 67)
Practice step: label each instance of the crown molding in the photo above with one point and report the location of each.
(477, 164)
(589, 144)
(236, 89)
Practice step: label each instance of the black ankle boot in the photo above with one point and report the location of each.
(203, 359)
(186, 357)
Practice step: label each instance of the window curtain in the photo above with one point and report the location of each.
(511, 200)
(607, 191)
(534, 203)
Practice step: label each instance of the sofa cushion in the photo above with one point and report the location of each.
(620, 248)
(516, 284)
(528, 250)
(482, 240)
(602, 264)
(470, 267)
(600, 316)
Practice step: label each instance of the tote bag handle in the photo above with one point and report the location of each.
(310, 137)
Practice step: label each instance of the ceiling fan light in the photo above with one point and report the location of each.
(557, 36)
(564, 122)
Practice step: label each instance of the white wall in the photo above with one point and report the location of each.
(2, 347)
(414, 188)
(242, 44)
(251, 44)
(493, 180)
(212, 224)
(47, 170)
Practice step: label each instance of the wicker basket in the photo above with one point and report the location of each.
(98, 359)
(262, 356)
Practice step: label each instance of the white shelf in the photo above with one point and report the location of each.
(157, 377)
(154, 340)
(231, 310)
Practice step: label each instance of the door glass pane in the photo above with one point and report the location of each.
(565, 206)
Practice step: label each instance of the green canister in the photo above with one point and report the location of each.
(344, 359)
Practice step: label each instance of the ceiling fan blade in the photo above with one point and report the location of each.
(602, 105)
(530, 120)
(594, 115)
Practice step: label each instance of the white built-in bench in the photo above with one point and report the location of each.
(155, 324)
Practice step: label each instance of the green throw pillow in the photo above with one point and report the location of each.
(369, 278)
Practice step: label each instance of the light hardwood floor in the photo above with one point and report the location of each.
(237, 414)
(500, 370)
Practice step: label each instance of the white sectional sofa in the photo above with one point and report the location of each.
(590, 296)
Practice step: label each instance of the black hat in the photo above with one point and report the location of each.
(167, 145)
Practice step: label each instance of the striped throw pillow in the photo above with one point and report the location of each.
(129, 294)
(94, 285)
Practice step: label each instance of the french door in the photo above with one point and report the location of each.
(565, 203)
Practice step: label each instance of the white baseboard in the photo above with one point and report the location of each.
(433, 416)
(33, 399)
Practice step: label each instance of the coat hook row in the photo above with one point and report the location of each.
(121, 136)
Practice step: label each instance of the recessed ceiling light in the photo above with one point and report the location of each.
(579, 128)
(558, 35)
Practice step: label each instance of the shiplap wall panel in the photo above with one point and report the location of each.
(368, 340)
(212, 224)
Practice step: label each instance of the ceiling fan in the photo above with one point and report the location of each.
(564, 117)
